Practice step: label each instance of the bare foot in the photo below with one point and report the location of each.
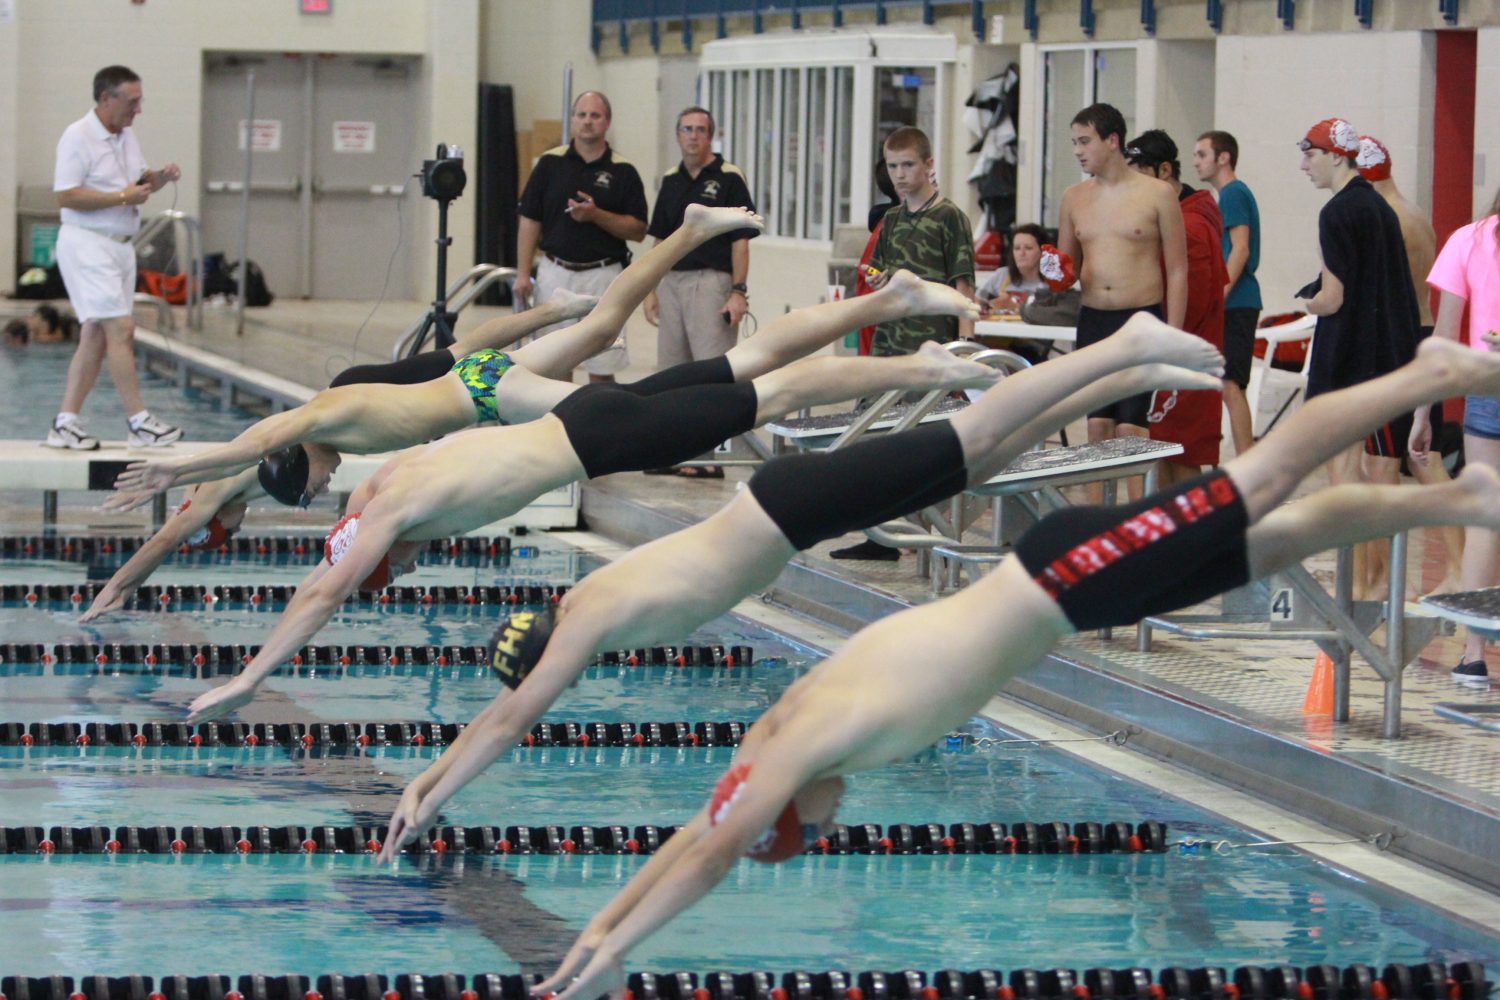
(1168, 376)
(571, 305)
(713, 221)
(1152, 340)
(928, 298)
(945, 371)
(1450, 584)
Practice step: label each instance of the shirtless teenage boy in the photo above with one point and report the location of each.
(1077, 569)
(350, 418)
(1120, 227)
(484, 474)
(673, 585)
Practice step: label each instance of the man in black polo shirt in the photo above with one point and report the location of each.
(581, 205)
(698, 307)
(1366, 307)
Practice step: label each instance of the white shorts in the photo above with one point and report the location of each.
(99, 273)
(550, 277)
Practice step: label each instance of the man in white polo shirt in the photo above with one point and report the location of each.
(101, 180)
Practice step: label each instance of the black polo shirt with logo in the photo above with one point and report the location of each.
(560, 173)
(719, 184)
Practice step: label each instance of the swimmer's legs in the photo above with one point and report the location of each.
(562, 350)
(815, 381)
(802, 331)
(1325, 425)
(502, 331)
(1344, 515)
(1027, 406)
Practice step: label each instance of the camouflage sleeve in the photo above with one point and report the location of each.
(959, 247)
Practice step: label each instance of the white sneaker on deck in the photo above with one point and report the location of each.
(152, 433)
(71, 435)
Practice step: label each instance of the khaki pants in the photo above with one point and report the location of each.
(692, 326)
(550, 277)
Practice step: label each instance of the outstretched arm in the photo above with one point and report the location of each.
(263, 437)
(317, 598)
(679, 877)
(206, 502)
(501, 725)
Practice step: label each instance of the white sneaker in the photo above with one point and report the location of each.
(71, 435)
(152, 433)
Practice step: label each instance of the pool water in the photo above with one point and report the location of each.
(32, 379)
(320, 913)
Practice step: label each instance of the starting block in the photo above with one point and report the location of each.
(1475, 609)
(54, 469)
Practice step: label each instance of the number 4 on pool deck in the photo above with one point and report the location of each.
(1282, 607)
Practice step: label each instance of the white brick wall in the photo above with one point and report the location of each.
(1486, 139)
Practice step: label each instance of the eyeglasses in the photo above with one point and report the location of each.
(693, 129)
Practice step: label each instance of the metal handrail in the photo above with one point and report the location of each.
(193, 232)
(462, 291)
(166, 322)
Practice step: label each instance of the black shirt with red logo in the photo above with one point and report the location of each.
(560, 174)
(719, 184)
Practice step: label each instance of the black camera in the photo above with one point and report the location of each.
(443, 178)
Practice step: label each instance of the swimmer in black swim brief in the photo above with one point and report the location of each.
(974, 641)
(674, 584)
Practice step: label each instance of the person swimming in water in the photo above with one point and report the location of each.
(302, 446)
(1080, 568)
(666, 588)
(485, 474)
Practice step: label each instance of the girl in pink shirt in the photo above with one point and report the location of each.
(1467, 271)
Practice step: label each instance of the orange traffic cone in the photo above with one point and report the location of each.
(1319, 699)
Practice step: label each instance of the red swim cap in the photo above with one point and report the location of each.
(341, 539)
(1374, 160)
(785, 839)
(1057, 268)
(1333, 135)
(210, 536)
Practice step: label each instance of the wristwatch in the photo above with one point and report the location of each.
(741, 287)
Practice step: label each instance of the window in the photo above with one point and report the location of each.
(1074, 77)
(807, 111)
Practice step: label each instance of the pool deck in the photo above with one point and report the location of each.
(1227, 709)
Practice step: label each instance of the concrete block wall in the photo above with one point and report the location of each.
(1270, 88)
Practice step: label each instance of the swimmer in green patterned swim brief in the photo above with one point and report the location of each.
(481, 372)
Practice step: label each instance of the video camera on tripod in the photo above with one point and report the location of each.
(443, 179)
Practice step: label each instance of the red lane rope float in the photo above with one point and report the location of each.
(204, 660)
(85, 548)
(160, 597)
(291, 735)
(1459, 981)
(864, 838)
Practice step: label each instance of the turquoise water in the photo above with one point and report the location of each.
(321, 913)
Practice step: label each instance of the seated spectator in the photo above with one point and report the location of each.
(16, 333)
(1009, 288)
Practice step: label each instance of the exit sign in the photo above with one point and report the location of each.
(317, 6)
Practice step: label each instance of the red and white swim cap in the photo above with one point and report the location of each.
(1374, 160)
(786, 838)
(1057, 268)
(210, 536)
(1333, 135)
(341, 539)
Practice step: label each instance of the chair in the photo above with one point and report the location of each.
(1264, 377)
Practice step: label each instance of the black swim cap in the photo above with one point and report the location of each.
(518, 645)
(283, 475)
